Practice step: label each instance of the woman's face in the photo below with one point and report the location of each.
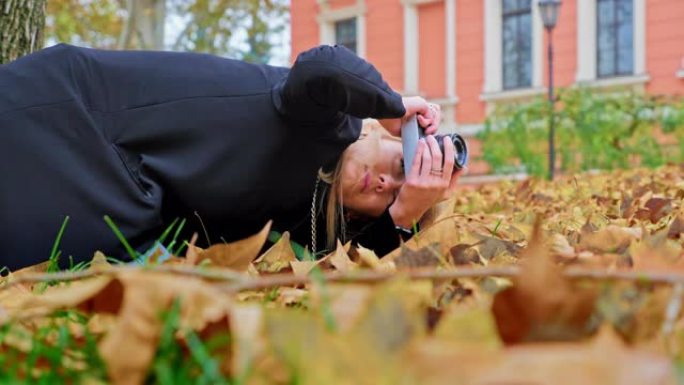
(371, 175)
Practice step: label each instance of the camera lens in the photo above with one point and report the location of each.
(460, 147)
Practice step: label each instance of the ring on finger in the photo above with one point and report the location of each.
(437, 171)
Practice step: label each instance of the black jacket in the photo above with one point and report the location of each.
(145, 137)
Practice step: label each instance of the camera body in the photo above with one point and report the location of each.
(411, 132)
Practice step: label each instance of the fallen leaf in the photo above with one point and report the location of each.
(542, 305)
(237, 255)
(424, 257)
(277, 257)
(368, 258)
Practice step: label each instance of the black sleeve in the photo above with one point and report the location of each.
(381, 235)
(327, 82)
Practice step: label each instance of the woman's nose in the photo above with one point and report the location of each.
(387, 183)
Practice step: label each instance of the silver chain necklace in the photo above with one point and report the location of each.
(313, 217)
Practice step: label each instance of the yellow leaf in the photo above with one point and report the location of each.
(302, 268)
(370, 259)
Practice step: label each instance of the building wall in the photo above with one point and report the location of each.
(386, 45)
(665, 46)
(432, 68)
(469, 62)
(385, 49)
(304, 28)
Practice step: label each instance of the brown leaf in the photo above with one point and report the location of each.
(347, 303)
(658, 208)
(491, 247)
(541, 305)
(676, 228)
(303, 267)
(99, 262)
(192, 254)
(423, 257)
(444, 233)
(339, 259)
(604, 361)
(368, 258)
(464, 254)
(438, 212)
(277, 257)
(129, 346)
(613, 239)
(236, 255)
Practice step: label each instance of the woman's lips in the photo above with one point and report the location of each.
(365, 181)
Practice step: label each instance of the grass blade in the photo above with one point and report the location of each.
(134, 254)
(54, 254)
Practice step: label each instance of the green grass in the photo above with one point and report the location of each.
(50, 348)
(53, 260)
(134, 254)
(53, 346)
(45, 352)
(196, 363)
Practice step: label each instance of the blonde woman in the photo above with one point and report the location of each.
(369, 199)
(146, 137)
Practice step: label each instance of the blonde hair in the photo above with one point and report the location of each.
(335, 222)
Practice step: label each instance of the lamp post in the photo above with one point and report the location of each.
(549, 15)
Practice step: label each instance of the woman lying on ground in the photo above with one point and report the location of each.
(146, 137)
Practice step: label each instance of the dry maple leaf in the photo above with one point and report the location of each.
(278, 257)
(542, 304)
(339, 259)
(137, 298)
(424, 257)
(236, 255)
(129, 346)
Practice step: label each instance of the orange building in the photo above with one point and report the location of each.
(469, 55)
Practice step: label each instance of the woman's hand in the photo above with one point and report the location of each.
(430, 178)
(429, 116)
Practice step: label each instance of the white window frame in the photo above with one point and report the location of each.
(493, 76)
(328, 17)
(587, 46)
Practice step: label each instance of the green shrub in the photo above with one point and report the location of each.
(593, 131)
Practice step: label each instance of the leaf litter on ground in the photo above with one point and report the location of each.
(229, 314)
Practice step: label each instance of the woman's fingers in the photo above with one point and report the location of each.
(432, 119)
(417, 160)
(415, 105)
(436, 155)
(449, 151)
(426, 159)
(425, 123)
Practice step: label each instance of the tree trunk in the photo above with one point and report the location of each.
(21, 27)
(144, 26)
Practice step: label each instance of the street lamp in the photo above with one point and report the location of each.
(549, 15)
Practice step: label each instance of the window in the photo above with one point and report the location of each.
(615, 37)
(345, 33)
(517, 43)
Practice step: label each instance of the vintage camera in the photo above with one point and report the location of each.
(411, 132)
